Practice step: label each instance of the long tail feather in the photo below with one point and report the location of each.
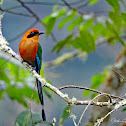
(41, 99)
(38, 67)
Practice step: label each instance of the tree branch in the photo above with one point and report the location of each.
(90, 104)
(93, 90)
(16, 13)
(117, 106)
(70, 7)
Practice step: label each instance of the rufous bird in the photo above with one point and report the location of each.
(31, 51)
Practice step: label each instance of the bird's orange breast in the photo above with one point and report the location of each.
(28, 49)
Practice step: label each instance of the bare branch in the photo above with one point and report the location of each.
(119, 75)
(83, 5)
(117, 106)
(54, 3)
(93, 90)
(90, 104)
(70, 7)
(14, 7)
(29, 10)
(71, 115)
(16, 13)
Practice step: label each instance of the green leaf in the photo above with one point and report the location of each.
(15, 72)
(76, 22)
(61, 13)
(27, 118)
(87, 24)
(93, 2)
(62, 43)
(24, 119)
(123, 16)
(115, 32)
(4, 77)
(85, 42)
(64, 116)
(1, 2)
(68, 18)
(116, 18)
(15, 94)
(20, 94)
(46, 19)
(27, 92)
(1, 94)
(50, 25)
(3, 71)
(50, 20)
(114, 4)
(124, 109)
(47, 92)
(93, 95)
(97, 80)
(98, 29)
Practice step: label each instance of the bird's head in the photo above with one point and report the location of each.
(32, 34)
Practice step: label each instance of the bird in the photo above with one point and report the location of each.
(31, 52)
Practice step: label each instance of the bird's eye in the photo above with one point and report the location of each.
(32, 33)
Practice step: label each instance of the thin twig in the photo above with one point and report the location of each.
(72, 114)
(70, 7)
(119, 75)
(29, 105)
(96, 91)
(29, 10)
(54, 3)
(14, 7)
(101, 120)
(83, 5)
(90, 104)
(123, 95)
(16, 13)
(117, 106)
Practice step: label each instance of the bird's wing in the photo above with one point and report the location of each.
(39, 53)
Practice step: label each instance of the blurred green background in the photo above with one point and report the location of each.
(78, 71)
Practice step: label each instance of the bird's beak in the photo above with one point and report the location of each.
(40, 33)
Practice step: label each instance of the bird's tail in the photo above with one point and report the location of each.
(41, 98)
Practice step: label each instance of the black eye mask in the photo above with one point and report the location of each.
(33, 34)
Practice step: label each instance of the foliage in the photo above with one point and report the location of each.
(88, 31)
(17, 82)
(24, 119)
